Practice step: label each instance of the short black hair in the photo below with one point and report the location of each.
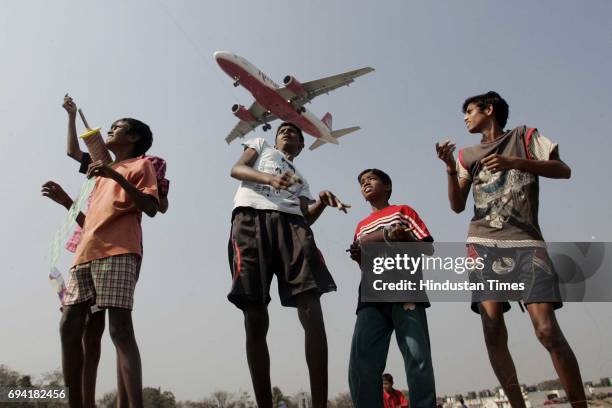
(388, 377)
(145, 136)
(381, 175)
(294, 126)
(500, 106)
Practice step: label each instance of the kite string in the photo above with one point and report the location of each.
(61, 235)
(195, 46)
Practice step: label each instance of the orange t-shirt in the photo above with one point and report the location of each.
(112, 225)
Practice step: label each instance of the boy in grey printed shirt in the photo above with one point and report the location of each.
(504, 170)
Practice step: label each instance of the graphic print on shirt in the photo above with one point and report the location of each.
(277, 168)
(499, 196)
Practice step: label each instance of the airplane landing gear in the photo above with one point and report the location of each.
(236, 81)
(266, 127)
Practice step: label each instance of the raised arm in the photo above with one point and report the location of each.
(72, 142)
(458, 188)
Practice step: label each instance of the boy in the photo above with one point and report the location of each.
(94, 323)
(270, 236)
(376, 321)
(504, 170)
(393, 398)
(107, 260)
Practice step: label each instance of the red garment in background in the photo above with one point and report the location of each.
(395, 399)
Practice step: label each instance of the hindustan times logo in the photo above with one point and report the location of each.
(411, 264)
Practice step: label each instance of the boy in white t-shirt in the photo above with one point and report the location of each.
(271, 235)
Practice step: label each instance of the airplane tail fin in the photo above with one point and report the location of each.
(327, 119)
(336, 134)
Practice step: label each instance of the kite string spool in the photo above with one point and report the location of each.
(94, 142)
(95, 145)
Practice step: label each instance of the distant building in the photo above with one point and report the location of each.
(303, 400)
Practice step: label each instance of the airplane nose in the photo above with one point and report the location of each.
(218, 55)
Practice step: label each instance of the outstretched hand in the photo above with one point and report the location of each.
(329, 199)
(56, 193)
(445, 152)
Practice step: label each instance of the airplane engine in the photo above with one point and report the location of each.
(242, 113)
(294, 85)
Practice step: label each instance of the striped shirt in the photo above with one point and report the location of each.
(391, 215)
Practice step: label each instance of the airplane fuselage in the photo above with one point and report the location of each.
(265, 91)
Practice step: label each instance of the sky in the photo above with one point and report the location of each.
(153, 60)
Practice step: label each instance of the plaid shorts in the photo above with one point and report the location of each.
(106, 282)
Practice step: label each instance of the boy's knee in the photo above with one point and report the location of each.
(309, 306)
(549, 336)
(256, 320)
(94, 329)
(120, 328)
(71, 324)
(120, 334)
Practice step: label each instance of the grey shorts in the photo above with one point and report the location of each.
(264, 243)
(529, 270)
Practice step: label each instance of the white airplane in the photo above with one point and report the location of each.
(287, 103)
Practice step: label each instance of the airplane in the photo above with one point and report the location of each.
(287, 103)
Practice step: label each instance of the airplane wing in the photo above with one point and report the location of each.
(336, 134)
(261, 115)
(323, 85)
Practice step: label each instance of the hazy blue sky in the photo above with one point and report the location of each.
(153, 60)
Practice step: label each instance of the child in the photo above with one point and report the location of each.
(504, 170)
(107, 260)
(393, 398)
(270, 236)
(94, 324)
(377, 321)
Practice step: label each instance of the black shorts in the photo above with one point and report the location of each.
(264, 243)
(530, 267)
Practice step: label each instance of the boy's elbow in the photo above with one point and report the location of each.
(458, 208)
(568, 172)
(73, 155)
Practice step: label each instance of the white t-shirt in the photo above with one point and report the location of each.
(265, 197)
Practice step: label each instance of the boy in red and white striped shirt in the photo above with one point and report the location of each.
(377, 321)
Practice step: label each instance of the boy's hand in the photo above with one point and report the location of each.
(355, 252)
(400, 233)
(495, 162)
(56, 193)
(283, 182)
(329, 199)
(445, 153)
(99, 169)
(70, 106)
